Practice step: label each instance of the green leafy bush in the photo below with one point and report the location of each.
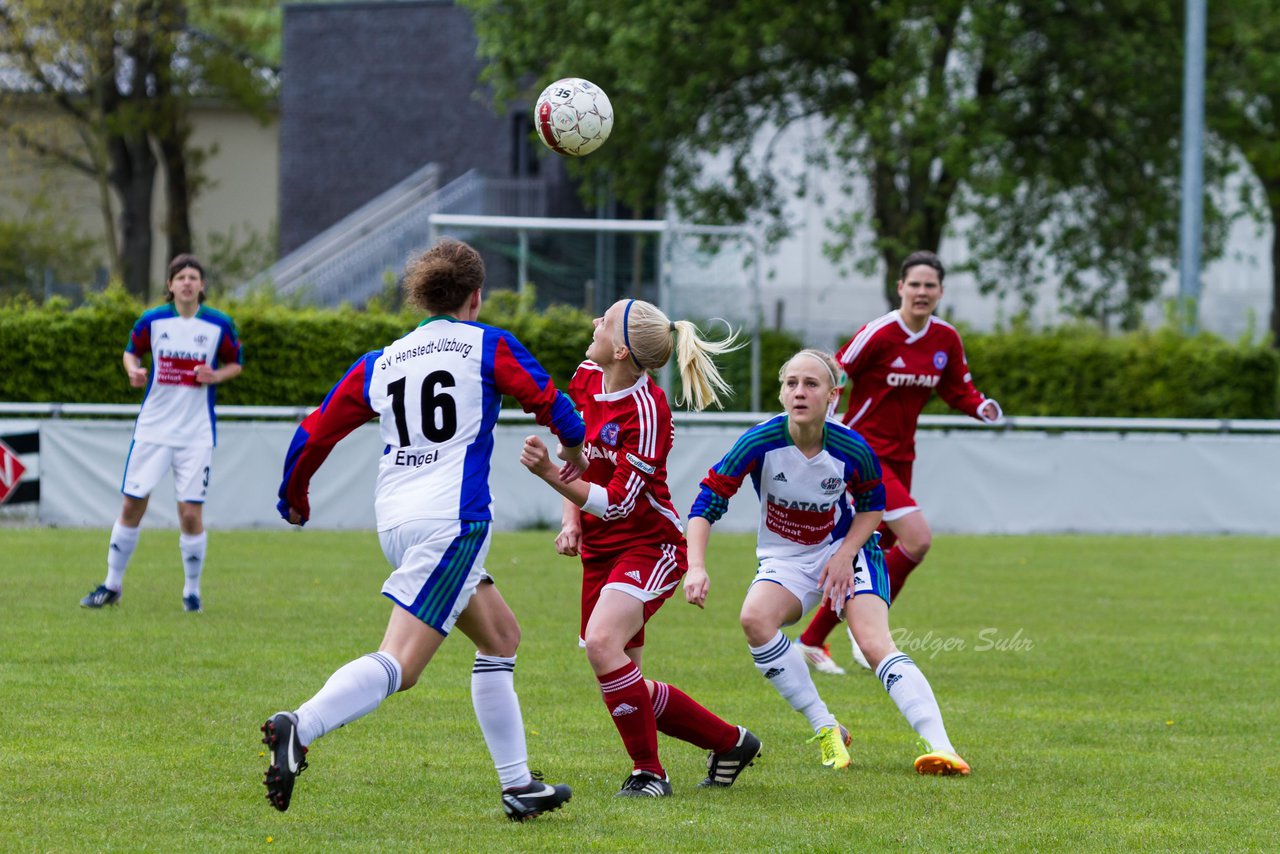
(1079, 371)
(293, 356)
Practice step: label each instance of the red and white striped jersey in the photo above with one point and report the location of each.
(629, 436)
(892, 373)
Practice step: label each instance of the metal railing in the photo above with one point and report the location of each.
(356, 258)
(1036, 423)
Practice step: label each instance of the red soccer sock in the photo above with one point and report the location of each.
(680, 716)
(824, 620)
(627, 699)
(899, 563)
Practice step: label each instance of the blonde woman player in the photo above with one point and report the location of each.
(814, 548)
(619, 518)
(436, 393)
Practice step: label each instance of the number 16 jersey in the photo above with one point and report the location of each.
(437, 392)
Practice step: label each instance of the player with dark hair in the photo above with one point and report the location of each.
(436, 392)
(894, 364)
(815, 547)
(193, 348)
(619, 518)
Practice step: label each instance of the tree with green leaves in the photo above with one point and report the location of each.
(1050, 130)
(122, 75)
(1242, 107)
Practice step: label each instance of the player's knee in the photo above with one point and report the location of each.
(189, 518)
(875, 646)
(505, 642)
(758, 627)
(918, 544)
(601, 647)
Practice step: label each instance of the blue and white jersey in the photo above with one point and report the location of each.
(178, 411)
(804, 502)
(437, 393)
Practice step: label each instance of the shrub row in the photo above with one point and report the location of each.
(294, 355)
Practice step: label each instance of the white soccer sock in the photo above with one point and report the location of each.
(192, 547)
(909, 689)
(493, 696)
(784, 666)
(123, 541)
(353, 691)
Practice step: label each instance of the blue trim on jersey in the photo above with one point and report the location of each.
(228, 329)
(879, 573)
(368, 360)
(749, 449)
(125, 473)
(300, 439)
(474, 499)
(213, 421)
(435, 601)
(849, 446)
(754, 444)
(569, 425)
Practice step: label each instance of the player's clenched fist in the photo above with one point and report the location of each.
(535, 458)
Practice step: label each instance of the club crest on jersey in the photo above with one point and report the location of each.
(609, 433)
(202, 339)
(639, 464)
(939, 360)
(832, 484)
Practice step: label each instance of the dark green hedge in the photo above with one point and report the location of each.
(294, 355)
(1080, 371)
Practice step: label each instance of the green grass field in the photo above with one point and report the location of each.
(1110, 693)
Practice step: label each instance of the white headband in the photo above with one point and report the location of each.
(823, 362)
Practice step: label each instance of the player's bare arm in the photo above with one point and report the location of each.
(569, 539)
(135, 371)
(697, 583)
(208, 375)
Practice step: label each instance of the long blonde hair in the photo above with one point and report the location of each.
(651, 337)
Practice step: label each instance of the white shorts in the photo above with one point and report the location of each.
(800, 579)
(438, 564)
(147, 463)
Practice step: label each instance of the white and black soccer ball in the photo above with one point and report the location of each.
(573, 117)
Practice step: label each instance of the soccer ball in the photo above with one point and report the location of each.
(573, 117)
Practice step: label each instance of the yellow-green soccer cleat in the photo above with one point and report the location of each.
(942, 764)
(834, 742)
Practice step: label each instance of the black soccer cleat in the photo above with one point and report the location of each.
(534, 799)
(645, 784)
(280, 735)
(100, 596)
(724, 768)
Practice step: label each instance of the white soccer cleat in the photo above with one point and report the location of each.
(858, 657)
(819, 658)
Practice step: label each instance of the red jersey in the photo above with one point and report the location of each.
(892, 373)
(629, 436)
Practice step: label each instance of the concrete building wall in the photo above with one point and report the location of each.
(372, 92)
(239, 198)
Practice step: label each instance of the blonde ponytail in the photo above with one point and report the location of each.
(651, 337)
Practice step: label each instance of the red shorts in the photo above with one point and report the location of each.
(650, 573)
(896, 477)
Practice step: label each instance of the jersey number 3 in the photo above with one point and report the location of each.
(439, 412)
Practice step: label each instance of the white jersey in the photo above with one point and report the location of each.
(437, 393)
(177, 411)
(804, 502)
